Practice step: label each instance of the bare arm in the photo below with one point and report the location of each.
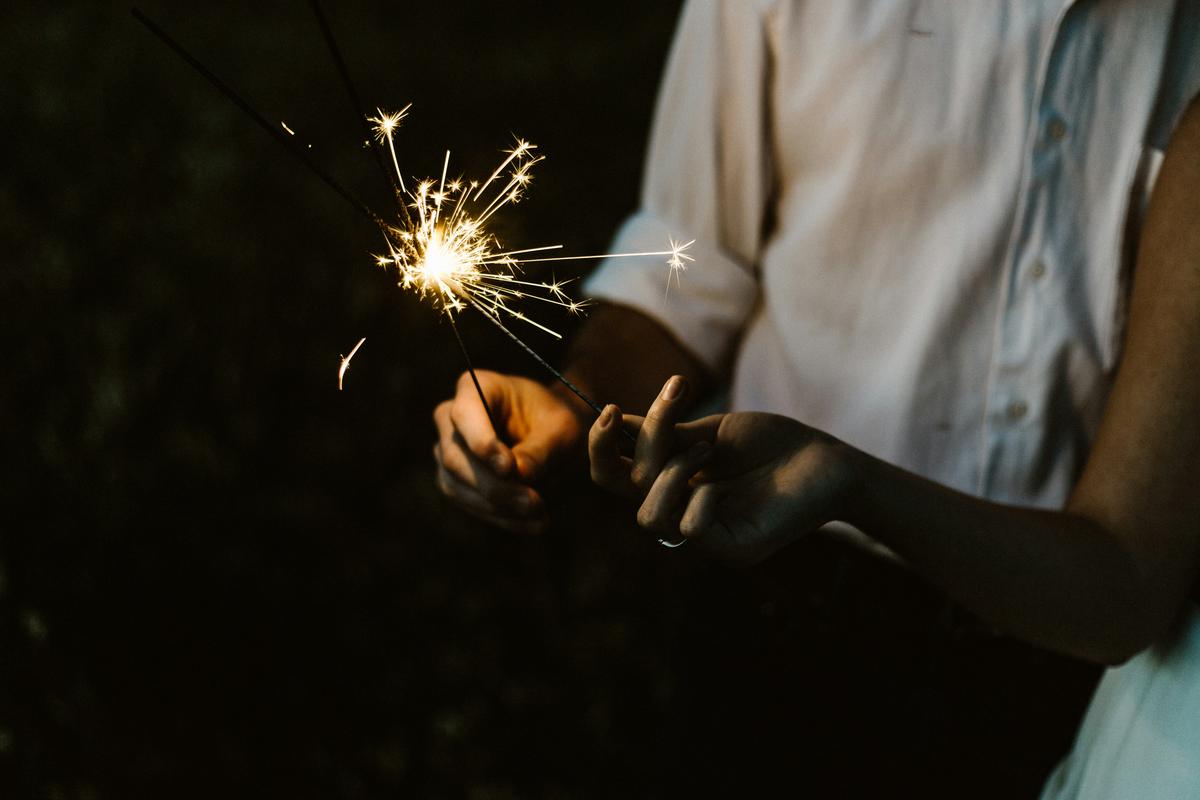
(1107, 576)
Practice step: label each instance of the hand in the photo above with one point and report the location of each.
(740, 485)
(491, 479)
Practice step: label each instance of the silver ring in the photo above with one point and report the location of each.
(671, 545)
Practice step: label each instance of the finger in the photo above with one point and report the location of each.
(656, 441)
(664, 505)
(477, 506)
(470, 418)
(701, 512)
(469, 470)
(698, 430)
(610, 470)
(548, 435)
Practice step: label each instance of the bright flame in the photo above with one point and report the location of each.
(442, 249)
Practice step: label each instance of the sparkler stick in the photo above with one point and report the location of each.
(474, 378)
(356, 103)
(444, 259)
(237, 100)
(561, 378)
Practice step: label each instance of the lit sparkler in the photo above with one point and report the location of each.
(444, 251)
(439, 243)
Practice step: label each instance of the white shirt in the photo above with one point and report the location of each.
(914, 219)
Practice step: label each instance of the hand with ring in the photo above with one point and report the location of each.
(740, 485)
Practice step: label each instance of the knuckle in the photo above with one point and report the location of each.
(440, 412)
(455, 413)
(646, 518)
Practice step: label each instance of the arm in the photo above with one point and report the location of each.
(1101, 579)
(1107, 576)
(622, 356)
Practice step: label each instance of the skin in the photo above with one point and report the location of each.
(1102, 579)
(619, 354)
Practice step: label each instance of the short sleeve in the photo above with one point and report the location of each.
(707, 178)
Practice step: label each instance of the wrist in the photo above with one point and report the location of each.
(854, 473)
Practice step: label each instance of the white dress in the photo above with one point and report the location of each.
(914, 223)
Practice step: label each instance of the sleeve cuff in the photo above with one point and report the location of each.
(704, 309)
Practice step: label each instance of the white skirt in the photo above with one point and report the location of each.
(1141, 735)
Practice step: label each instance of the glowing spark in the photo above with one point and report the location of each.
(345, 363)
(442, 249)
(678, 260)
(286, 128)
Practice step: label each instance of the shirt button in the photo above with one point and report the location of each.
(1057, 130)
(1017, 409)
(1038, 269)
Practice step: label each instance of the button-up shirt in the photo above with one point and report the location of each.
(914, 220)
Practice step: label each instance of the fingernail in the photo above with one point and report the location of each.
(699, 450)
(605, 417)
(673, 389)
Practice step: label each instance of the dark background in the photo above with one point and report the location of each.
(221, 577)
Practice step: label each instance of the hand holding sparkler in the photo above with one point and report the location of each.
(493, 480)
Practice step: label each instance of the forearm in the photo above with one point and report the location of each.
(1057, 579)
(622, 356)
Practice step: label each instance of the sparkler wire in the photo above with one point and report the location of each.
(474, 378)
(346, 195)
(356, 103)
(275, 133)
(563, 379)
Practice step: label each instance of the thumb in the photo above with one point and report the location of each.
(546, 442)
(534, 454)
(473, 419)
(699, 430)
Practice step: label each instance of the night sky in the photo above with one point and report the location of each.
(219, 576)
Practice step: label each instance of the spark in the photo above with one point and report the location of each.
(286, 128)
(345, 362)
(442, 249)
(678, 260)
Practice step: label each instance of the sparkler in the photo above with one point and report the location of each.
(445, 250)
(440, 245)
(447, 254)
